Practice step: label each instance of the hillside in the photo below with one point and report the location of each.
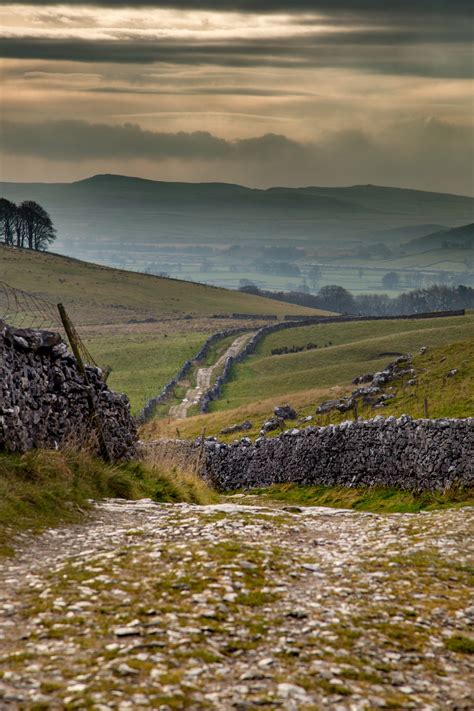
(100, 295)
(307, 378)
(220, 234)
(142, 327)
(344, 351)
(458, 237)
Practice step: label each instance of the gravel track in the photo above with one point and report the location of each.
(238, 606)
(204, 378)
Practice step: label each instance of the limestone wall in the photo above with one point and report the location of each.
(418, 455)
(44, 399)
(215, 391)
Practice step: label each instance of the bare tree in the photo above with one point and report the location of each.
(37, 230)
(7, 221)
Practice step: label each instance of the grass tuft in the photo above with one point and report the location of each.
(461, 644)
(44, 488)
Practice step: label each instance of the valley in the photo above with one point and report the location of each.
(220, 234)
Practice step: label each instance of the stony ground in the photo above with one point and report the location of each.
(239, 607)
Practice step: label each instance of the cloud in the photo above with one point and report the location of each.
(72, 140)
(448, 7)
(200, 91)
(427, 154)
(383, 51)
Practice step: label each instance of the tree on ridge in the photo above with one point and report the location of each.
(27, 225)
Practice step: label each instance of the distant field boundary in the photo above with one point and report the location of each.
(215, 391)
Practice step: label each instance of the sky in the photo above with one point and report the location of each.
(258, 92)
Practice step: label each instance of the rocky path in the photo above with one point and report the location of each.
(239, 607)
(204, 378)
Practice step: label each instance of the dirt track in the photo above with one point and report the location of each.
(204, 378)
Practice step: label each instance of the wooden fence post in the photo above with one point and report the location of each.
(73, 341)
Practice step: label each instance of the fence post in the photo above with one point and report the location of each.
(72, 338)
(356, 415)
(201, 450)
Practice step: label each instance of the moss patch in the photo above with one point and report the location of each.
(461, 644)
(378, 500)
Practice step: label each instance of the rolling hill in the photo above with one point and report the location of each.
(102, 295)
(133, 211)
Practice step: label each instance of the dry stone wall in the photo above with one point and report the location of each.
(416, 455)
(44, 401)
(215, 390)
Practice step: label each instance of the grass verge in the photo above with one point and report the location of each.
(376, 500)
(44, 488)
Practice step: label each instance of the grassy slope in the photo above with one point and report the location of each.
(142, 358)
(451, 259)
(447, 397)
(96, 294)
(356, 348)
(44, 488)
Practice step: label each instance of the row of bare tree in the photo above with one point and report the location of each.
(27, 225)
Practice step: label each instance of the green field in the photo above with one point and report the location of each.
(101, 295)
(345, 350)
(142, 363)
(451, 259)
(306, 379)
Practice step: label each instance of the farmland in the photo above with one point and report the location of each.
(344, 351)
(326, 373)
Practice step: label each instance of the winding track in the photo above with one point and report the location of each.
(204, 378)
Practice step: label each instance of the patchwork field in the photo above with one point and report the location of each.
(451, 259)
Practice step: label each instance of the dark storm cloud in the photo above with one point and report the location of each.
(382, 51)
(76, 139)
(430, 154)
(199, 91)
(69, 139)
(272, 6)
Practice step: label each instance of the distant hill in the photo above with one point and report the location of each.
(112, 210)
(409, 232)
(455, 238)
